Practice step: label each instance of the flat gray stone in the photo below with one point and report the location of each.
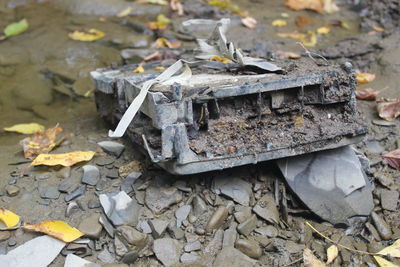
(145, 227)
(229, 256)
(268, 231)
(331, 183)
(74, 261)
(158, 227)
(199, 206)
(190, 258)
(167, 250)
(41, 251)
(91, 226)
(237, 189)
(91, 175)
(120, 208)
(196, 245)
(266, 208)
(389, 199)
(230, 236)
(129, 181)
(181, 214)
(106, 257)
(246, 227)
(112, 147)
(80, 191)
(159, 199)
(49, 192)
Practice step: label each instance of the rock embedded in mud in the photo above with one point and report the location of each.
(237, 189)
(49, 192)
(106, 257)
(12, 190)
(91, 175)
(389, 199)
(249, 247)
(159, 199)
(217, 219)
(111, 147)
(133, 237)
(246, 227)
(266, 209)
(268, 231)
(167, 250)
(196, 245)
(229, 256)
(242, 214)
(91, 226)
(381, 226)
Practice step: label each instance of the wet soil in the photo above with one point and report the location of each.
(44, 75)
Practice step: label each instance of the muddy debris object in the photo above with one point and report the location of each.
(331, 183)
(217, 219)
(91, 226)
(167, 250)
(266, 208)
(234, 188)
(111, 147)
(381, 226)
(160, 198)
(91, 175)
(249, 247)
(120, 208)
(230, 256)
(12, 190)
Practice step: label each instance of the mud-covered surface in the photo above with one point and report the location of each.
(43, 75)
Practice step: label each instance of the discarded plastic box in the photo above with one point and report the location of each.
(221, 120)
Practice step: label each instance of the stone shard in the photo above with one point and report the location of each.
(167, 250)
(249, 247)
(111, 147)
(158, 227)
(266, 209)
(74, 261)
(229, 256)
(41, 251)
(91, 226)
(217, 219)
(199, 206)
(181, 214)
(331, 183)
(159, 199)
(246, 227)
(91, 175)
(120, 208)
(237, 189)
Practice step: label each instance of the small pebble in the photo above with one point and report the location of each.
(12, 243)
(12, 190)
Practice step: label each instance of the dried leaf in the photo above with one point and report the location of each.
(163, 42)
(227, 5)
(249, 22)
(159, 68)
(388, 109)
(302, 21)
(88, 36)
(25, 128)
(161, 23)
(16, 28)
(368, 94)
(309, 39)
(323, 30)
(316, 5)
(279, 23)
(330, 6)
(42, 142)
(393, 159)
(125, 12)
(310, 260)
(332, 252)
(377, 28)
(153, 2)
(64, 159)
(9, 219)
(284, 55)
(364, 77)
(392, 250)
(139, 69)
(176, 5)
(58, 229)
(221, 59)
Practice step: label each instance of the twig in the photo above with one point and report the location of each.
(310, 54)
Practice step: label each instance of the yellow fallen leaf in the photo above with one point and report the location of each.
(160, 24)
(279, 23)
(9, 219)
(125, 12)
(323, 30)
(332, 253)
(227, 5)
(64, 159)
(221, 59)
(58, 229)
(364, 77)
(88, 36)
(392, 250)
(153, 2)
(310, 260)
(25, 128)
(315, 5)
(163, 42)
(159, 68)
(384, 263)
(309, 39)
(284, 55)
(42, 141)
(139, 69)
(377, 28)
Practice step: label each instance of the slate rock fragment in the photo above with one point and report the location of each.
(159, 199)
(111, 147)
(167, 250)
(120, 208)
(266, 208)
(237, 189)
(91, 175)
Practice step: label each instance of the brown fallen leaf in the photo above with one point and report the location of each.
(302, 22)
(42, 142)
(393, 158)
(310, 260)
(160, 24)
(163, 42)
(139, 69)
(221, 59)
(249, 22)
(176, 5)
(64, 159)
(388, 109)
(58, 229)
(285, 55)
(364, 77)
(316, 5)
(332, 253)
(368, 94)
(323, 30)
(309, 39)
